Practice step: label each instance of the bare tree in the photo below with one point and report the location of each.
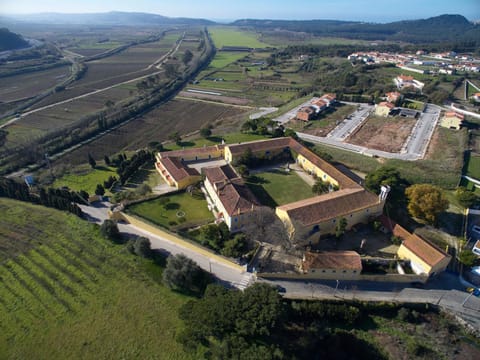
(265, 226)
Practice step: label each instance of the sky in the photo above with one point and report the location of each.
(358, 10)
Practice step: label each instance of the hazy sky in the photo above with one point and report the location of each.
(367, 10)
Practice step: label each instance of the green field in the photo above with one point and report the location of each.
(85, 178)
(223, 36)
(223, 58)
(181, 205)
(473, 167)
(277, 187)
(72, 294)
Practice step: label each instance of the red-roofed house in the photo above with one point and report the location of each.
(383, 109)
(425, 258)
(306, 113)
(233, 199)
(176, 173)
(452, 120)
(393, 96)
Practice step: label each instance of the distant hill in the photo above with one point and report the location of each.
(436, 29)
(108, 18)
(11, 41)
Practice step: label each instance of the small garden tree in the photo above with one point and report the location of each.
(341, 227)
(142, 247)
(99, 190)
(109, 229)
(184, 275)
(91, 161)
(205, 132)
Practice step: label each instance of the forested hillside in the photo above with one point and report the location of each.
(416, 31)
(11, 41)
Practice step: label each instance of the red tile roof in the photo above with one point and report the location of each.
(260, 145)
(235, 196)
(330, 206)
(177, 169)
(335, 260)
(206, 150)
(387, 104)
(422, 248)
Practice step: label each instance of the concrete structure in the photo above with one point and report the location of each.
(337, 263)
(383, 109)
(476, 97)
(232, 198)
(452, 120)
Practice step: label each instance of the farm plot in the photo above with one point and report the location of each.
(128, 64)
(385, 134)
(24, 86)
(57, 288)
(223, 36)
(184, 116)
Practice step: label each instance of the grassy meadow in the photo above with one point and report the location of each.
(68, 293)
(85, 178)
(223, 36)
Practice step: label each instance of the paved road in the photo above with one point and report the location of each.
(444, 291)
(226, 274)
(349, 125)
(415, 146)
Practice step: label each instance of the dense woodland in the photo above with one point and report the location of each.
(414, 31)
(11, 41)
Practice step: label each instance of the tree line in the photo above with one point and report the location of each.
(60, 199)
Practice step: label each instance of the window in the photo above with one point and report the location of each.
(334, 271)
(313, 270)
(344, 271)
(351, 215)
(354, 271)
(324, 176)
(334, 220)
(323, 271)
(235, 219)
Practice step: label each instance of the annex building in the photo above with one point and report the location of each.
(236, 203)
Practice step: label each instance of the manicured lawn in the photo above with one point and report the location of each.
(223, 36)
(277, 187)
(85, 178)
(230, 138)
(68, 293)
(473, 168)
(168, 214)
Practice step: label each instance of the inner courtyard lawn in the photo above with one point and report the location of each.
(278, 187)
(169, 211)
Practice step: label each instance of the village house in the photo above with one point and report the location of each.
(452, 120)
(393, 97)
(337, 264)
(384, 108)
(404, 81)
(476, 97)
(233, 199)
(306, 113)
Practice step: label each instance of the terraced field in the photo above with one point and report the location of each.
(67, 292)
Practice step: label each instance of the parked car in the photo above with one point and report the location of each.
(476, 229)
(474, 291)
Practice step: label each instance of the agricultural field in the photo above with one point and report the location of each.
(184, 116)
(473, 166)
(180, 210)
(228, 36)
(23, 86)
(67, 292)
(277, 187)
(385, 134)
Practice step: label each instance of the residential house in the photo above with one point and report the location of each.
(335, 264)
(306, 113)
(425, 257)
(393, 97)
(476, 97)
(384, 108)
(452, 120)
(405, 81)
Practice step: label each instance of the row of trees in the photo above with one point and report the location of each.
(56, 198)
(129, 166)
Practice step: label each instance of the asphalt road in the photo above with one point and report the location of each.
(228, 275)
(348, 126)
